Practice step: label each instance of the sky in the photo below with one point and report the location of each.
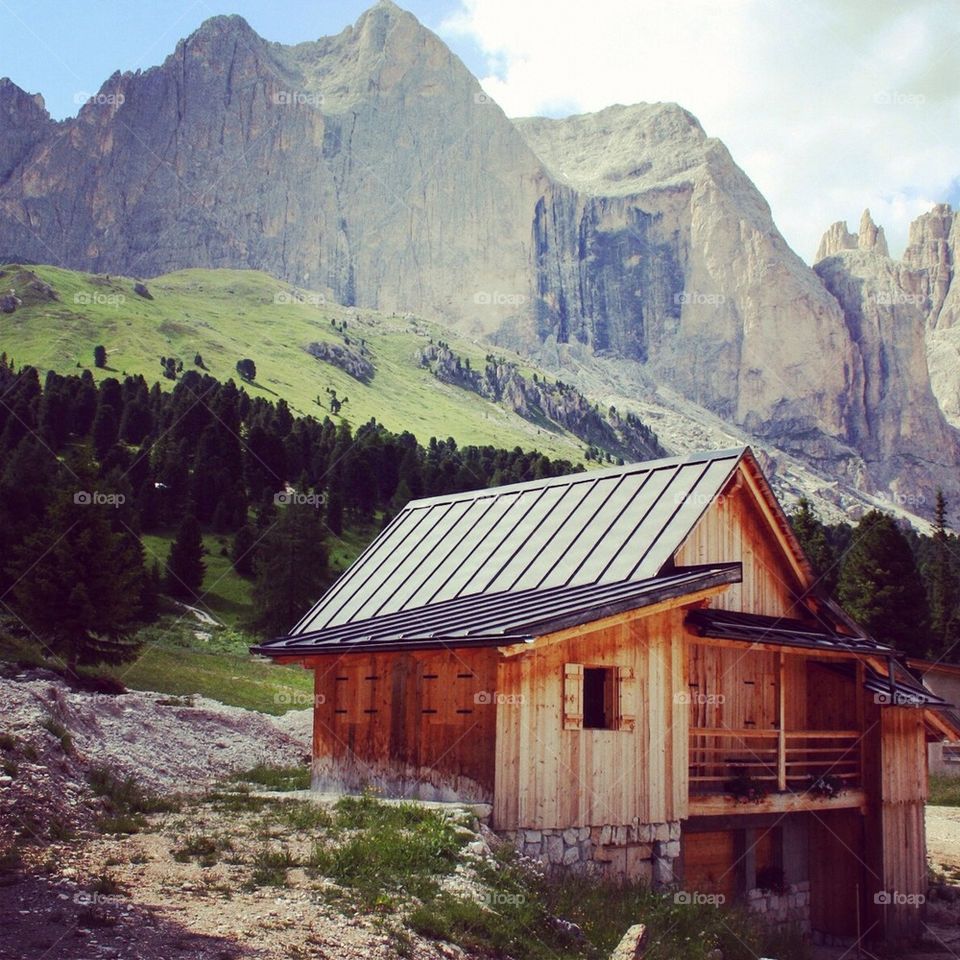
(830, 106)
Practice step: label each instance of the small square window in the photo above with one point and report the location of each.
(599, 712)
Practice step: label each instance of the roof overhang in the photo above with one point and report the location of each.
(503, 619)
(779, 631)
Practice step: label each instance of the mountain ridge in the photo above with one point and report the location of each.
(370, 166)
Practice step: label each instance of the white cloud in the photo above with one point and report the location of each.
(830, 106)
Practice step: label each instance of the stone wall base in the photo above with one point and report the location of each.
(644, 851)
(783, 910)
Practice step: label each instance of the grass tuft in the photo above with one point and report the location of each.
(276, 777)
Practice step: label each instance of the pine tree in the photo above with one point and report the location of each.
(105, 430)
(185, 565)
(942, 583)
(880, 587)
(813, 538)
(291, 569)
(78, 583)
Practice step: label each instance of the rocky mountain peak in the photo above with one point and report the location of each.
(230, 25)
(871, 237)
(24, 121)
(836, 238)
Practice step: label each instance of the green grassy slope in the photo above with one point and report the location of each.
(226, 315)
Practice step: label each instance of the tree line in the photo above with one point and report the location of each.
(88, 468)
(901, 586)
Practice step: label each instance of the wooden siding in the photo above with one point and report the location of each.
(837, 873)
(903, 791)
(411, 724)
(550, 777)
(733, 529)
(712, 863)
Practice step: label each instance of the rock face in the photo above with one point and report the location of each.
(371, 167)
(338, 164)
(902, 316)
(655, 246)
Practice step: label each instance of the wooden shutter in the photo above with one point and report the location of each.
(627, 699)
(573, 696)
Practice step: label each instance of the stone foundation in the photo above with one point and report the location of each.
(643, 852)
(783, 910)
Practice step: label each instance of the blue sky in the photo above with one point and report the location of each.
(830, 106)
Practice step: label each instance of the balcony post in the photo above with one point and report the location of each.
(781, 724)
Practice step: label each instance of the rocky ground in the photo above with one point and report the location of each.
(215, 870)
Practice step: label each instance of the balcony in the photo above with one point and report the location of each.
(781, 766)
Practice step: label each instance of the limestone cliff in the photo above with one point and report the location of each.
(371, 167)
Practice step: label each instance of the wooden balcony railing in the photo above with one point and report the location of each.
(777, 760)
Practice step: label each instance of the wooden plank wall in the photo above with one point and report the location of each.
(903, 777)
(407, 723)
(549, 777)
(895, 775)
(734, 530)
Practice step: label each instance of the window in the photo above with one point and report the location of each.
(598, 698)
(598, 684)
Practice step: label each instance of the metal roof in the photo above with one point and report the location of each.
(785, 631)
(594, 529)
(489, 620)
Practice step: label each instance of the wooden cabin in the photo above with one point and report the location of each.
(633, 668)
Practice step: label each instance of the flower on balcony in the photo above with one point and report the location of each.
(744, 788)
(826, 785)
